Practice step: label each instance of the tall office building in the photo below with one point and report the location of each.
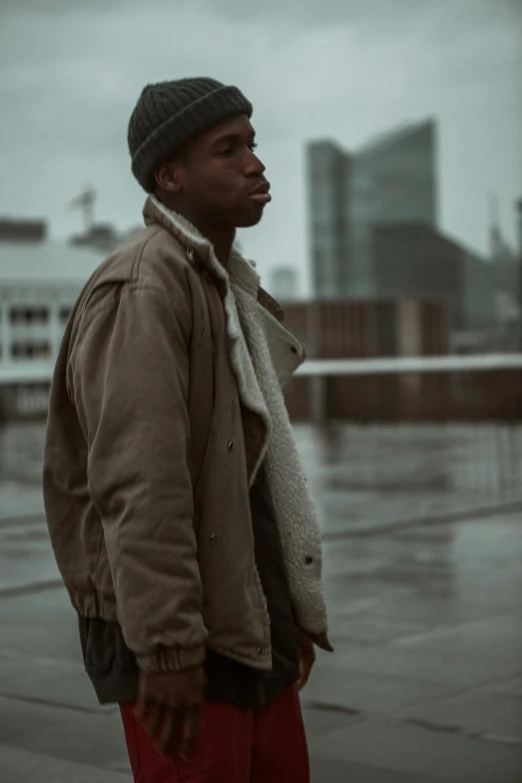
(328, 167)
(390, 180)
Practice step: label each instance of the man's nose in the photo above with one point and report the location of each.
(254, 167)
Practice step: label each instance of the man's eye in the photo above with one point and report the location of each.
(226, 151)
(252, 146)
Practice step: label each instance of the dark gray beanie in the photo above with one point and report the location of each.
(169, 114)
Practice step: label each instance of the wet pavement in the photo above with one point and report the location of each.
(426, 681)
(363, 477)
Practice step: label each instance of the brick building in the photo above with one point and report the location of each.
(365, 329)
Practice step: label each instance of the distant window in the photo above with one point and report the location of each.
(31, 350)
(65, 312)
(29, 315)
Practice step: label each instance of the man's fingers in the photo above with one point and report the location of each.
(144, 711)
(189, 732)
(140, 709)
(171, 722)
(154, 719)
(144, 704)
(166, 708)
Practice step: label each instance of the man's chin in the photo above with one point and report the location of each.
(252, 219)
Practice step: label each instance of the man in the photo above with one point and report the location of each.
(176, 503)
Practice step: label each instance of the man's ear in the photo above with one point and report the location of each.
(167, 178)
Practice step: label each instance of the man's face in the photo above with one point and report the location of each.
(221, 179)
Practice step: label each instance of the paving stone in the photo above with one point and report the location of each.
(478, 712)
(498, 636)
(330, 771)
(419, 753)
(21, 766)
(321, 721)
(63, 733)
(370, 693)
(462, 669)
(51, 682)
(372, 630)
(512, 686)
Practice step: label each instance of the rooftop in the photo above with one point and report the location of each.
(22, 230)
(46, 262)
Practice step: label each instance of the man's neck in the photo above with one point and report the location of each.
(222, 242)
(221, 239)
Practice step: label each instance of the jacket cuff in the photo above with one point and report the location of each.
(172, 659)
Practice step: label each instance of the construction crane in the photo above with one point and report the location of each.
(85, 201)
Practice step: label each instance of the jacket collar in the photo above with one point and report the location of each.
(239, 271)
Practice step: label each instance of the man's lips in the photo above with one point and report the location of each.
(261, 193)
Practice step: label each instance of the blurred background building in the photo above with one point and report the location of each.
(40, 280)
(374, 234)
(284, 283)
(390, 180)
(387, 282)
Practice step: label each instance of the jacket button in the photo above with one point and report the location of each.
(293, 349)
(230, 445)
(309, 560)
(260, 650)
(212, 538)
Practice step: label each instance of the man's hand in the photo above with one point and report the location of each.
(307, 658)
(169, 707)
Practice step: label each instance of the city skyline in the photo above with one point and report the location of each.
(71, 73)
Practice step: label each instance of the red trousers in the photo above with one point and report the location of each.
(265, 745)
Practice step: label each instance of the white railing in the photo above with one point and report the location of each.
(411, 364)
(25, 372)
(41, 372)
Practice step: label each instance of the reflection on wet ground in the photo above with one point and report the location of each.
(426, 681)
(366, 477)
(361, 476)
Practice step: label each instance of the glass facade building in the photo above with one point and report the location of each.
(390, 180)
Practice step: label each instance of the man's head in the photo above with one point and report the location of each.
(192, 143)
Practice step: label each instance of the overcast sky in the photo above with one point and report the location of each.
(72, 70)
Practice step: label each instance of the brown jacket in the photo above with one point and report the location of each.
(148, 459)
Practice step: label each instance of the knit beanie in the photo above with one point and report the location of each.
(168, 114)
